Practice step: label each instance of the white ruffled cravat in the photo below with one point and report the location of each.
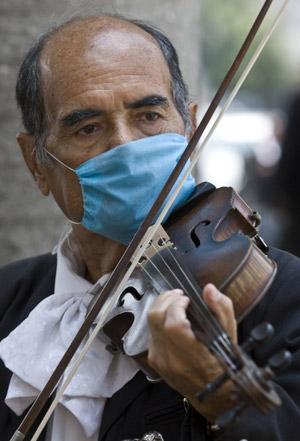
(35, 347)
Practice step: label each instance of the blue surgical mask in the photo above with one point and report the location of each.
(120, 186)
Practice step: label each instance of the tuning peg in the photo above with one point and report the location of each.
(280, 360)
(210, 388)
(231, 417)
(277, 362)
(260, 334)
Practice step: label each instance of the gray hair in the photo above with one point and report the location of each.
(30, 96)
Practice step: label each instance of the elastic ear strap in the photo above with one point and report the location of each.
(58, 160)
(65, 165)
(74, 223)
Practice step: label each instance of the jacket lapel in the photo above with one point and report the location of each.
(120, 401)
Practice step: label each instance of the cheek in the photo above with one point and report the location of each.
(66, 190)
(176, 124)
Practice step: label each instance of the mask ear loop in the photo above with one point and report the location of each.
(58, 160)
(70, 168)
(74, 222)
(65, 234)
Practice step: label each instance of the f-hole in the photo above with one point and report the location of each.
(129, 290)
(194, 233)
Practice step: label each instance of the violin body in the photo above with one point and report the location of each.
(214, 236)
(211, 238)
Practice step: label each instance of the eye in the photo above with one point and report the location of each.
(151, 116)
(87, 130)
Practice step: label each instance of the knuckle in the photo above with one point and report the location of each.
(155, 318)
(227, 303)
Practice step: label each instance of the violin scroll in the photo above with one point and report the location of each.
(260, 334)
(276, 363)
(279, 361)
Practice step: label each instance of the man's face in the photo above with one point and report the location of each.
(103, 87)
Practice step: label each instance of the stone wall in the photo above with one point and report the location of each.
(30, 223)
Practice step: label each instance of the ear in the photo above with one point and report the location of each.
(38, 171)
(193, 107)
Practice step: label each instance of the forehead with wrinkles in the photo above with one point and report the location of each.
(108, 43)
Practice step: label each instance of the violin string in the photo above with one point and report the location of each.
(180, 270)
(219, 346)
(167, 281)
(213, 328)
(216, 338)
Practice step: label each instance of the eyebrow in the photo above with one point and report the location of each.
(151, 100)
(77, 116)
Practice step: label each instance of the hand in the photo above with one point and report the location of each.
(181, 359)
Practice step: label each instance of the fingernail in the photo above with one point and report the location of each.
(178, 291)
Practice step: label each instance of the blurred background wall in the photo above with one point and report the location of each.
(207, 34)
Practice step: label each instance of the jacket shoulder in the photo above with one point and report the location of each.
(26, 282)
(24, 267)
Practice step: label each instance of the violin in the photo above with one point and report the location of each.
(218, 229)
(195, 245)
(213, 238)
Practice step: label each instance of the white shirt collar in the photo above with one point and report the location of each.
(71, 269)
(34, 348)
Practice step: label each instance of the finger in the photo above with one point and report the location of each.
(167, 318)
(222, 306)
(157, 312)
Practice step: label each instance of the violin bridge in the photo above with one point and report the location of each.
(159, 241)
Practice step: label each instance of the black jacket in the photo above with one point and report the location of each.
(140, 406)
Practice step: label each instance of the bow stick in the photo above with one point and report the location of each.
(145, 233)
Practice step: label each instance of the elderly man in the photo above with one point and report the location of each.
(106, 118)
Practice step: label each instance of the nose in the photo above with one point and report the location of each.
(121, 133)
